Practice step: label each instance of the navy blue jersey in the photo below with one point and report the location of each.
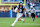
(21, 9)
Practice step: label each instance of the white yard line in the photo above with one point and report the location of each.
(27, 24)
(4, 22)
(23, 23)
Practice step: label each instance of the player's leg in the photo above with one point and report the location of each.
(33, 18)
(15, 20)
(20, 18)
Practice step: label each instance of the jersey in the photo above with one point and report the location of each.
(32, 10)
(21, 9)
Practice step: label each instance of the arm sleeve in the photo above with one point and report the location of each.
(17, 6)
(16, 9)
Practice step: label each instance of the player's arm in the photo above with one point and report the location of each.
(16, 10)
(25, 12)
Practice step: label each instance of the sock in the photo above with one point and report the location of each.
(15, 22)
(33, 19)
(22, 20)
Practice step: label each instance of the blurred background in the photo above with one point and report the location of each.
(6, 10)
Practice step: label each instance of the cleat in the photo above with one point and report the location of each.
(11, 25)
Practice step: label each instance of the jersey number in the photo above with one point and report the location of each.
(20, 10)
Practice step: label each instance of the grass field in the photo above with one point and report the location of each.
(6, 22)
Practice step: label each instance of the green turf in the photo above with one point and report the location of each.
(6, 22)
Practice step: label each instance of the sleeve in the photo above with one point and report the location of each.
(16, 9)
(17, 6)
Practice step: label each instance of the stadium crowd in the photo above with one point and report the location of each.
(34, 3)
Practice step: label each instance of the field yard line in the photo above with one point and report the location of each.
(28, 24)
(4, 22)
